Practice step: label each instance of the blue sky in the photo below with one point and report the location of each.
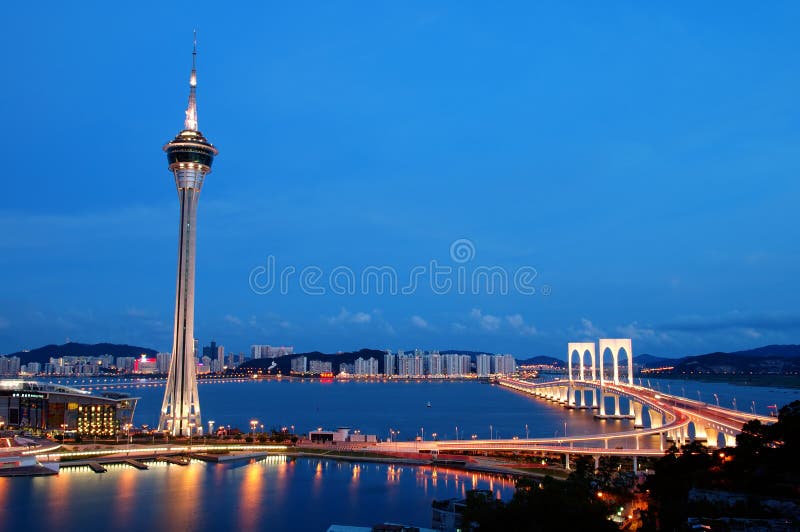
(642, 159)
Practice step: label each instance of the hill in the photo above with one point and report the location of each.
(43, 354)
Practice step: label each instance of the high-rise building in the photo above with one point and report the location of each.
(434, 365)
(483, 365)
(220, 359)
(503, 364)
(367, 367)
(267, 351)
(162, 362)
(389, 364)
(319, 366)
(300, 365)
(190, 156)
(466, 364)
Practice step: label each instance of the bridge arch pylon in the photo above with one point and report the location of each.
(616, 345)
(581, 348)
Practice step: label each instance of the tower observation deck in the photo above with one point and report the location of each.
(190, 156)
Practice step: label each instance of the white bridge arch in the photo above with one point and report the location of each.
(582, 349)
(615, 345)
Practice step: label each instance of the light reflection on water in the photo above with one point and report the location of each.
(277, 492)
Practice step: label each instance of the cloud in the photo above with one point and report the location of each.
(517, 322)
(345, 316)
(230, 318)
(589, 330)
(487, 322)
(635, 331)
(361, 317)
(419, 321)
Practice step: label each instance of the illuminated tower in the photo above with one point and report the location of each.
(190, 156)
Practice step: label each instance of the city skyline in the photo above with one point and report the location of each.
(654, 203)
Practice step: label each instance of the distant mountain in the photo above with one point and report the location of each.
(770, 359)
(43, 354)
(543, 360)
(651, 361)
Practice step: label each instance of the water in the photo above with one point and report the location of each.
(310, 494)
(276, 493)
(376, 407)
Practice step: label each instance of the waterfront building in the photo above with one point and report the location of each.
(465, 364)
(368, 367)
(434, 364)
(36, 405)
(389, 364)
(452, 365)
(503, 364)
(300, 365)
(220, 359)
(405, 364)
(267, 351)
(320, 366)
(9, 366)
(190, 156)
(483, 365)
(162, 362)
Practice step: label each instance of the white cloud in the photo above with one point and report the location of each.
(517, 322)
(230, 318)
(419, 321)
(487, 322)
(361, 317)
(345, 316)
(589, 330)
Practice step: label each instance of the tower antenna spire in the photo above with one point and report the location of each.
(191, 110)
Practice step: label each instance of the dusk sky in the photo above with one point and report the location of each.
(643, 160)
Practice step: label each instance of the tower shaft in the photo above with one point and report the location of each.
(190, 157)
(180, 411)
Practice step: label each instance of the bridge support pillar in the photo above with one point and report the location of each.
(637, 414)
(602, 405)
(730, 440)
(711, 438)
(656, 418)
(699, 431)
(582, 397)
(566, 461)
(594, 397)
(617, 411)
(570, 396)
(661, 440)
(596, 462)
(636, 463)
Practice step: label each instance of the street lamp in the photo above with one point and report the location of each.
(422, 430)
(456, 432)
(716, 397)
(753, 407)
(527, 432)
(253, 425)
(734, 403)
(491, 432)
(698, 396)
